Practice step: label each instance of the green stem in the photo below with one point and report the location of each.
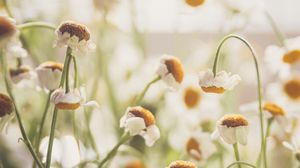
(7, 8)
(259, 88)
(280, 36)
(236, 153)
(22, 129)
(30, 25)
(241, 163)
(114, 151)
(75, 72)
(142, 95)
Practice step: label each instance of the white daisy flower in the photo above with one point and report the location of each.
(6, 111)
(139, 121)
(72, 100)
(232, 128)
(181, 164)
(171, 71)
(49, 74)
(217, 84)
(283, 60)
(74, 35)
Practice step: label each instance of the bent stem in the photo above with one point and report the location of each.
(280, 36)
(22, 129)
(54, 117)
(236, 153)
(114, 151)
(259, 88)
(142, 95)
(30, 25)
(241, 163)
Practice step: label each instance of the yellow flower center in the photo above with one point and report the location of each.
(75, 29)
(191, 97)
(67, 106)
(174, 67)
(18, 71)
(193, 145)
(292, 88)
(52, 65)
(213, 89)
(135, 164)
(234, 120)
(143, 113)
(7, 28)
(6, 105)
(273, 109)
(182, 164)
(291, 57)
(194, 3)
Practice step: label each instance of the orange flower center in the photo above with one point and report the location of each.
(192, 146)
(213, 89)
(6, 105)
(7, 28)
(191, 97)
(143, 113)
(234, 120)
(52, 65)
(67, 106)
(273, 109)
(291, 57)
(75, 29)
(194, 3)
(292, 88)
(182, 164)
(135, 164)
(174, 67)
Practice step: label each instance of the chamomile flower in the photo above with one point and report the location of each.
(74, 35)
(181, 164)
(217, 84)
(140, 121)
(72, 100)
(232, 128)
(49, 74)
(171, 71)
(6, 109)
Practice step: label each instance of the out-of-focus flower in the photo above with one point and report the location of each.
(283, 60)
(171, 71)
(217, 84)
(20, 73)
(135, 164)
(74, 35)
(181, 164)
(140, 121)
(6, 109)
(276, 112)
(65, 151)
(294, 147)
(232, 128)
(49, 74)
(71, 100)
(199, 146)
(105, 5)
(194, 3)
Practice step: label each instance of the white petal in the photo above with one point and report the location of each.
(289, 146)
(70, 152)
(215, 135)
(151, 135)
(242, 134)
(91, 104)
(227, 134)
(56, 149)
(135, 125)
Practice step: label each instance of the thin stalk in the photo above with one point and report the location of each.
(236, 153)
(75, 71)
(259, 87)
(143, 93)
(22, 129)
(114, 151)
(241, 163)
(280, 36)
(30, 25)
(7, 8)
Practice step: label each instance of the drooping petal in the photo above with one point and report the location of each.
(151, 135)
(242, 134)
(227, 134)
(134, 125)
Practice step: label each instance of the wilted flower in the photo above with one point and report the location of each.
(182, 164)
(20, 73)
(217, 84)
(139, 121)
(232, 128)
(74, 35)
(49, 74)
(171, 71)
(194, 3)
(71, 100)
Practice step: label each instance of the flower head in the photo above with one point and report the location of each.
(140, 121)
(7, 28)
(6, 105)
(219, 83)
(49, 74)
(182, 164)
(194, 3)
(75, 36)
(273, 109)
(171, 71)
(191, 97)
(292, 88)
(232, 128)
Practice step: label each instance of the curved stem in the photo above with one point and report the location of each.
(29, 25)
(259, 89)
(242, 163)
(114, 151)
(22, 129)
(142, 95)
(280, 36)
(236, 153)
